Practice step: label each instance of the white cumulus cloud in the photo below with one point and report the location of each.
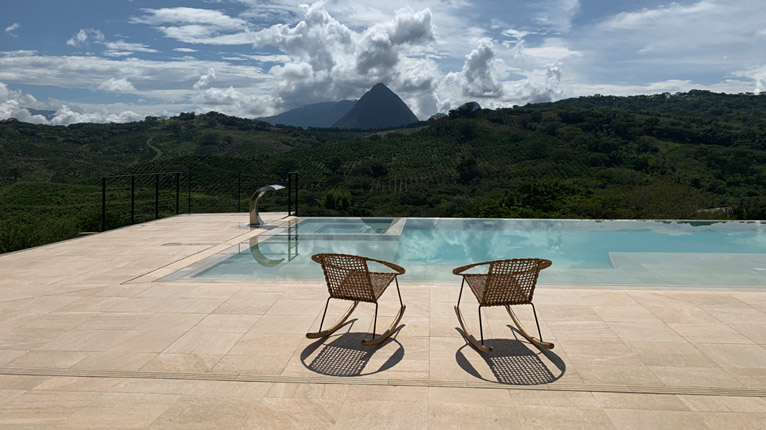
(232, 101)
(14, 104)
(120, 85)
(479, 76)
(11, 28)
(542, 85)
(757, 74)
(205, 79)
(84, 35)
(379, 50)
(482, 80)
(330, 61)
(66, 115)
(318, 39)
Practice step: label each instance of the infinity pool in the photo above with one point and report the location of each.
(636, 253)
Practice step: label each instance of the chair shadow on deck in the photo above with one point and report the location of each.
(514, 362)
(345, 355)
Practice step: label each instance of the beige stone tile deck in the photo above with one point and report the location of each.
(91, 338)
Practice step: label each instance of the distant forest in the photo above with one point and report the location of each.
(695, 155)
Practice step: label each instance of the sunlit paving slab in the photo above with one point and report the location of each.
(117, 330)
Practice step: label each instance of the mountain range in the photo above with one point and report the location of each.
(378, 108)
(320, 115)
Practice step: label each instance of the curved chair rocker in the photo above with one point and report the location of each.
(349, 278)
(506, 283)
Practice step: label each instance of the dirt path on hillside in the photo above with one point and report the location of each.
(157, 150)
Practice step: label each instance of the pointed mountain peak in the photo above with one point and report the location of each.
(378, 108)
(380, 86)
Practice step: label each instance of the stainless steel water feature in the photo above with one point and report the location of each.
(255, 219)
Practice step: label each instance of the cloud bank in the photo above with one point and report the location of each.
(16, 105)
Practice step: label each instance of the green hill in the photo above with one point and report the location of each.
(695, 155)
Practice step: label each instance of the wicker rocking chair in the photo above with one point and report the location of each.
(349, 278)
(506, 283)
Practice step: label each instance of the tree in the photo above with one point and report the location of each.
(468, 169)
(334, 164)
(210, 138)
(336, 199)
(370, 167)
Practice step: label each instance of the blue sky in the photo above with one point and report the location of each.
(100, 61)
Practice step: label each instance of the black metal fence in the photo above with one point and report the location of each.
(135, 198)
(292, 196)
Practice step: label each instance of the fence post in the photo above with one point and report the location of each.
(289, 194)
(156, 196)
(292, 181)
(189, 207)
(103, 203)
(132, 199)
(178, 189)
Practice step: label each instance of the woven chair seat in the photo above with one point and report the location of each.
(349, 278)
(504, 283)
(478, 284)
(511, 295)
(508, 282)
(380, 281)
(349, 288)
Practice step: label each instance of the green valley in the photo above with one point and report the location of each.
(695, 155)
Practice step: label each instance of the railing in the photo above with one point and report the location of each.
(292, 183)
(156, 177)
(128, 199)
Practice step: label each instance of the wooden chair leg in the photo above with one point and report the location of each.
(386, 334)
(533, 340)
(335, 327)
(467, 333)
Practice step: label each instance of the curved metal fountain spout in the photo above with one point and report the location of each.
(255, 219)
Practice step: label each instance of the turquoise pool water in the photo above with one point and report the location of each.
(583, 251)
(344, 225)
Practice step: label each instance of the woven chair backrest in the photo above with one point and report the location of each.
(512, 281)
(347, 276)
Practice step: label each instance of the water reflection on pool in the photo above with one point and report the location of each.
(637, 253)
